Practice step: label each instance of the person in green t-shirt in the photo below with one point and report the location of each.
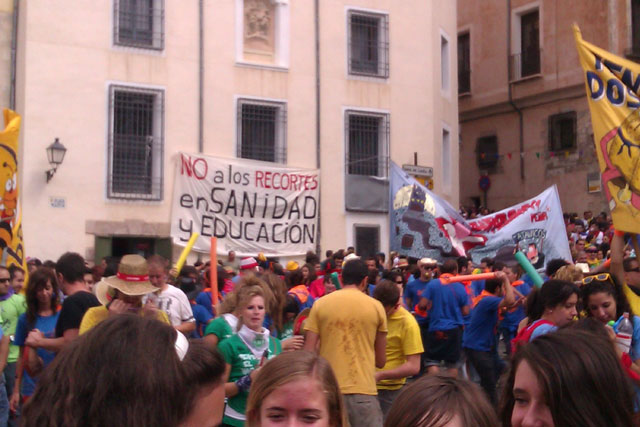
(246, 352)
(12, 305)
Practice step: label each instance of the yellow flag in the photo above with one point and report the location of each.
(613, 88)
(11, 242)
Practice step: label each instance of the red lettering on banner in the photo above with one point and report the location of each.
(285, 181)
(189, 167)
(539, 216)
(496, 222)
(259, 178)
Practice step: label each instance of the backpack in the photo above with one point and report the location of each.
(524, 335)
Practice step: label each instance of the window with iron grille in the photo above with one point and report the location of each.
(464, 63)
(487, 152)
(367, 144)
(139, 23)
(367, 240)
(562, 131)
(262, 131)
(368, 44)
(136, 143)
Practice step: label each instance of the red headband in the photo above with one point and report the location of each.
(133, 277)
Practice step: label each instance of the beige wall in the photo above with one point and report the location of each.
(559, 88)
(67, 62)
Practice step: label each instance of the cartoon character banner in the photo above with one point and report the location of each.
(613, 91)
(424, 225)
(249, 206)
(11, 242)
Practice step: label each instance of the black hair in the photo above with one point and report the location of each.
(491, 285)
(354, 271)
(611, 287)
(553, 293)
(71, 266)
(463, 262)
(13, 269)
(449, 266)
(555, 265)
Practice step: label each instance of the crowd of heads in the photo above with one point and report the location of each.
(136, 370)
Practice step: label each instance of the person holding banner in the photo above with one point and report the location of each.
(479, 339)
(446, 305)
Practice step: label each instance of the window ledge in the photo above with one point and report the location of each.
(257, 65)
(368, 78)
(112, 201)
(464, 95)
(526, 78)
(138, 49)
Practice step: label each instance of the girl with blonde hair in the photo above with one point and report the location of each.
(296, 386)
(246, 351)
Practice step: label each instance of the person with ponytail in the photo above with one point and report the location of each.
(548, 309)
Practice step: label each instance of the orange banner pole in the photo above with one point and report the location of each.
(213, 272)
(467, 277)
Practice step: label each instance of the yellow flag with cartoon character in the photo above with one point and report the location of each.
(613, 93)
(11, 242)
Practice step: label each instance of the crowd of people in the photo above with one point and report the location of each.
(344, 340)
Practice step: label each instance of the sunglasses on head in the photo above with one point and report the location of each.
(603, 277)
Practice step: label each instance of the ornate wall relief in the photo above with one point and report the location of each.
(259, 30)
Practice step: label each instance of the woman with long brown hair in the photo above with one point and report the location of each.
(42, 314)
(567, 378)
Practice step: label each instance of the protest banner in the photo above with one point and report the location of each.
(11, 239)
(248, 206)
(613, 85)
(425, 225)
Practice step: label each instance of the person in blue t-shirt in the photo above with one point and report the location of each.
(479, 340)
(42, 315)
(508, 327)
(413, 293)
(445, 304)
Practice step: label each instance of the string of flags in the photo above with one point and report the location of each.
(510, 155)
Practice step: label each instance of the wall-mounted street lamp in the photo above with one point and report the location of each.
(55, 155)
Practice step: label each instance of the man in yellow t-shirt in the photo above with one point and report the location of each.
(123, 293)
(349, 329)
(404, 346)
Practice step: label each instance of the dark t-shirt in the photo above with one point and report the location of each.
(73, 309)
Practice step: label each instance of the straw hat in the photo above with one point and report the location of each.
(132, 279)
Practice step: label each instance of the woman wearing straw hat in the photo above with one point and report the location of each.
(123, 293)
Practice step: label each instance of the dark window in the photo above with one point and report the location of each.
(487, 152)
(634, 51)
(367, 139)
(262, 132)
(139, 23)
(530, 43)
(562, 131)
(464, 63)
(135, 144)
(367, 240)
(368, 45)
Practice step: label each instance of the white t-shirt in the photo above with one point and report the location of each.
(175, 303)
